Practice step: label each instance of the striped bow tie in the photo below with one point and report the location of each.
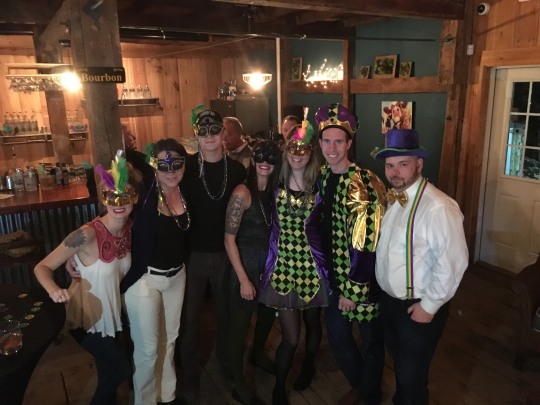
(394, 196)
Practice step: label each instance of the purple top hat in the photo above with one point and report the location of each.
(400, 142)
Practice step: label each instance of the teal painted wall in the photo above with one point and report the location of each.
(412, 40)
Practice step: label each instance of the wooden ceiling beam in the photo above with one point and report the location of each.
(440, 9)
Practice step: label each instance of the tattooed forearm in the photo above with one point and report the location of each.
(75, 239)
(235, 210)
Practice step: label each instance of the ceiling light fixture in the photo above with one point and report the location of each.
(257, 80)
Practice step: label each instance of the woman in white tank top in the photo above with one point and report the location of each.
(102, 251)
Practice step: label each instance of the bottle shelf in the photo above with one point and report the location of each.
(135, 102)
(24, 139)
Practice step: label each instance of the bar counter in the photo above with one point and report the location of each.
(56, 197)
(48, 216)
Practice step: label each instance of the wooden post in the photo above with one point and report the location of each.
(48, 50)
(95, 42)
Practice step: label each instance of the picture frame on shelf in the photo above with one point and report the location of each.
(405, 69)
(296, 68)
(385, 66)
(364, 71)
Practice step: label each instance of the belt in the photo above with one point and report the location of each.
(167, 273)
(406, 302)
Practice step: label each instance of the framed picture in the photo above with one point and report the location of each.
(405, 69)
(396, 115)
(296, 69)
(364, 71)
(385, 66)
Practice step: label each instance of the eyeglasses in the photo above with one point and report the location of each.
(299, 149)
(206, 130)
(262, 157)
(171, 164)
(112, 198)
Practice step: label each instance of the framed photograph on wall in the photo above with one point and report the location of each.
(405, 69)
(296, 68)
(364, 71)
(396, 115)
(385, 66)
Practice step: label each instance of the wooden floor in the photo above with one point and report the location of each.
(473, 364)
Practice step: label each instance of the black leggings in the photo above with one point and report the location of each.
(290, 331)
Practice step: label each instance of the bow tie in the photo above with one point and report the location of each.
(394, 196)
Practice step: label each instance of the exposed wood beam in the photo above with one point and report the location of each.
(314, 17)
(444, 9)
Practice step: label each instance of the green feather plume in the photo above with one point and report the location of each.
(119, 172)
(196, 112)
(148, 150)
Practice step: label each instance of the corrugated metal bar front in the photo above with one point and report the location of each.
(51, 226)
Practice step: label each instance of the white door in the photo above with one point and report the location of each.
(510, 231)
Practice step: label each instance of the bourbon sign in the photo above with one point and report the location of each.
(101, 75)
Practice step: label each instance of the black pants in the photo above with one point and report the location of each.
(412, 345)
(362, 364)
(205, 268)
(111, 364)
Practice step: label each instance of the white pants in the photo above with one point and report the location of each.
(154, 306)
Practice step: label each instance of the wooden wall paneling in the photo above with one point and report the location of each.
(171, 98)
(526, 30)
(16, 45)
(479, 40)
(229, 71)
(502, 18)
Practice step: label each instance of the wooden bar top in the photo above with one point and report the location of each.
(56, 197)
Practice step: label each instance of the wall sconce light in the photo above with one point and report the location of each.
(257, 80)
(59, 77)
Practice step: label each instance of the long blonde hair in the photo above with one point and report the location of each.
(311, 171)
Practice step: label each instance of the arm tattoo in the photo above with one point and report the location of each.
(75, 239)
(233, 217)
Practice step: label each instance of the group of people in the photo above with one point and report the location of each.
(272, 231)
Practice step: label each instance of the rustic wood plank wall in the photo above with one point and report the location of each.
(181, 77)
(509, 35)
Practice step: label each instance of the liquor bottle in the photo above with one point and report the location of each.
(146, 92)
(132, 92)
(125, 93)
(30, 179)
(140, 92)
(57, 175)
(18, 179)
(6, 127)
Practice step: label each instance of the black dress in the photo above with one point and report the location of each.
(252, 242)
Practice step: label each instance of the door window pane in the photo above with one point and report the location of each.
(531, 165)
(533, 132)
(535, 98)
(523, 142)
(520, 98)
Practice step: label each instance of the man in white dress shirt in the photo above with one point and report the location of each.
(421, 257)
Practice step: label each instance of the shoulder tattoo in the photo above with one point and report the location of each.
(233, 217)
(75, 239)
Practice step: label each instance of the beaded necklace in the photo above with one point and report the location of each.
(221, 192)
(163, 200)
(267, 221)
(303, 197)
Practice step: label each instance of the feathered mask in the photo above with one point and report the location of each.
(299, 142)
(115, 182)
